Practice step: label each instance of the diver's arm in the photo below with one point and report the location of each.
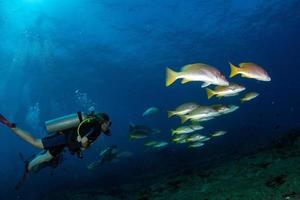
(85, 143)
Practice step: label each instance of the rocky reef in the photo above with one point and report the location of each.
(271, 173)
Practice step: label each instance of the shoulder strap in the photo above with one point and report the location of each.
(79, 114)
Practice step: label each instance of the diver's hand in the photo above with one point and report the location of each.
(85, 143)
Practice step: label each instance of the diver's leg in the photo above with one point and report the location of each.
(39, 159)
(21, 133)
(44, 156)
(28, 137)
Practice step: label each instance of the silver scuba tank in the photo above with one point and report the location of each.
(65, 122)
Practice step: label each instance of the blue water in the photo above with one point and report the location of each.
(58, 57)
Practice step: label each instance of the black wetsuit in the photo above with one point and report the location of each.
(56, 143)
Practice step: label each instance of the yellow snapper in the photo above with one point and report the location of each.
(225, 91)
(218, 133)
(196, 145)
(250, 70)
(183, 109)
(199, 113)
(150, 111)
(196, 127)
(222, 109)
(182, 141)
(150, 143)
(178, 138)
(186, 129)
(196, 72)
(160, 144)
(203, 119)
(195, 137)
(249, 96)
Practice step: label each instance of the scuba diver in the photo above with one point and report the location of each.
(75, 132)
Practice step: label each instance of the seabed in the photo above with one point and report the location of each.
(271, 173)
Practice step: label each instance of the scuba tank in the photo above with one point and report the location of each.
(65, 122)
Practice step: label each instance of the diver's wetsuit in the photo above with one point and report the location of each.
(55, 143)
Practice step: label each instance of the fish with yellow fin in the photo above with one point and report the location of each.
(183, 109)
(225, 91)
(196, 72)
(249, 96)
(249, 70)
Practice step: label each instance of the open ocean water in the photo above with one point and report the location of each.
(60, 57)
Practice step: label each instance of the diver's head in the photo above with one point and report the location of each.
(104, 122)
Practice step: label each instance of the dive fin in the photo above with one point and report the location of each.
(7, 123)
(24, 177)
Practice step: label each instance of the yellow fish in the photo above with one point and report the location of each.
(249, 96)
(225, 91)
(196, 72)
(250, 70)
(183, 109)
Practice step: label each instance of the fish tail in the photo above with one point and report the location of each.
(171, 76)
(234, 70)
(170, 114)
(210, 93)
(242, 100)
(173, 131)
(184, 119)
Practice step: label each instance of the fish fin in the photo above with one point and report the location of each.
(173, 131)
(170, 114)
(185, 81)
(130, 137)
(242, 100)
(205, 84)
(184, 119)
(131, 127)
(210, 93)
(242, 65)
(219, 97)
(234, 70)
(171, 76)
(245, 64)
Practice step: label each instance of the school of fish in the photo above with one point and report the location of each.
(193, 113)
